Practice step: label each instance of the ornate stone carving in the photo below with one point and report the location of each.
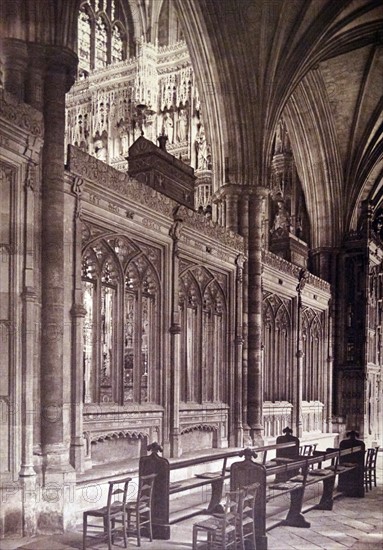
(200, 427)
(21, 115)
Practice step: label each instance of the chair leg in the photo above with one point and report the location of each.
(124, 529)
(150, 526)
(138, 525)
(195, 533)
(84, 531)
(109, 533)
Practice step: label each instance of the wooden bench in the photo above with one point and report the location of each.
(247, 472)
(164, 487)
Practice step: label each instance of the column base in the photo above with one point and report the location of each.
(57, 510)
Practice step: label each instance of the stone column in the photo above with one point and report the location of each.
(57, 512)
(255, 397)
(238, 353)
(57, 82)
(244, 231)
(34, 85)
(78, 312)
(28, 326)
(175, 344)
(231, 202)
(29, 300)
(14, 54)
(297, 402)
(328, 376)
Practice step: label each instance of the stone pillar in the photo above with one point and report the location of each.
(296, 386)
(34, 84)
(238, 395)
(298, 377)
(244, 231)
(328, 376)
(175, 344)
(53, 243)
(255, 397)
(28, 327)
(55, 513)
(78, 312)
(14, 55)
(231, 201)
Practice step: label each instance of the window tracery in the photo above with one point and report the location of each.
(313, 356)
(203, 321)
(102, 35)
(277, 355)
(120, 282)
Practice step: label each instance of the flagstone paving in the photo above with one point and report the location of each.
(355, 524)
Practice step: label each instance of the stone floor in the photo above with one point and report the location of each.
(355, 524)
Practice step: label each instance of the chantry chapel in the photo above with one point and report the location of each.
(191, 235)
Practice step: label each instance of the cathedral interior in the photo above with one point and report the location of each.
(191, 234)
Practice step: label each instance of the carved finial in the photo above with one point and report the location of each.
(353, 434)
(155, 448)
(287, 430)
(248, 453)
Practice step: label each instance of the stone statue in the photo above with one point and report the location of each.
(124, 138)
(182, 125)
(100, 149)
(168, 127)
(282, 219)
(201, 148)
(377, 226)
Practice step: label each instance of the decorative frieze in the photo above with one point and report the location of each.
(21, 115)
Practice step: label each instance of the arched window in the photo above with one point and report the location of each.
(203, 323)
(313, 358)
(117, 44)
(84, 40)
(278, 380)
(101, 44)
(102, 35)
(120, 358)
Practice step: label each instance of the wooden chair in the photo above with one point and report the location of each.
(246, 529)
(139, 512)
(220, 531)
(112, 514)
(370, 468)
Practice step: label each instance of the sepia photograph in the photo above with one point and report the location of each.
(191, 274)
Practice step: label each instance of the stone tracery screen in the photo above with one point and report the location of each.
(277, 339)
(313, 359)
(121, 297)
(203, 304)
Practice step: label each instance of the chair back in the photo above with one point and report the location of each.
(306, 450)
(117, 494)
(145, 492)
(371, 457)
(246, 511)
(227, 538)
(249, 494)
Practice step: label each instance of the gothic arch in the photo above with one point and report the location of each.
(316, 153)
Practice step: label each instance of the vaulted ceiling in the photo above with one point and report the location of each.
(318, 63)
